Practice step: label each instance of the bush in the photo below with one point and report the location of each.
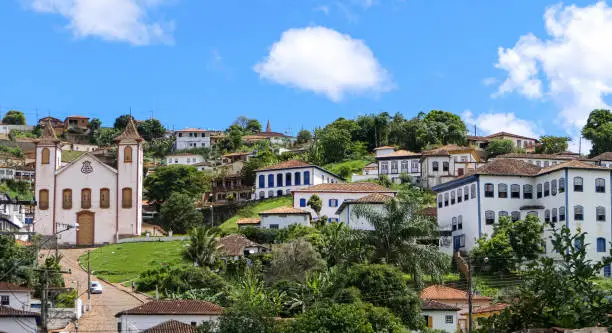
(259, 235)
(179, 279)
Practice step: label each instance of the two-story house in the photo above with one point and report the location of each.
(394, 163)
(446, 163)
(192, 138)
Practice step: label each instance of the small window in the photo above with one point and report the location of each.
(262, 181)
(273, 226)
(502, 191)
(516, 215)
(489, 190)
(578, 182)
(554, 215)
(126, 198)
(532, 213)
(288, 179)
(85, 198)
(452, 197)
(578, 213)
(539, 190)
(298, 178)
(45, 156)
(473, 191)
(553, 187)
(546, 164)
(527, 191)
(459, 195)
(445, 199)
(601, 244)
(440, 201)
(547, 215)
(454, 224)
(561, 185)
(448, 319)
(43, 199)
(67, 199)
(539, 163)
(127, 154)
(434, 166)
(333, 202)
(515, 191)
(104, 198)
(546, 189)
(302, 202)
(306, 177)
(502, 213)
(460, 222)
(4, 300)
(279, 180)
(489, 217)
(601, 213)
(562, 213)
(600, 185)
(466, 193)
(445, 166)
(270, 180)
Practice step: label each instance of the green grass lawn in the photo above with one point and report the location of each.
(354, 166)
(124, 262)
(71, 155)
(251, 210)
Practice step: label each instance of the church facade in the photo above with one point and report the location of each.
(104, 201)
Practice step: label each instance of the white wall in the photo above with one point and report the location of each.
(430, 178)
(284, 220)
(18, 324)
(347, 215)
(317, 176)
(6, 129)
(393, 168)
(184, 159)
(45, 179)
(439, 320)
(19, 300)
(138, 323)
(327, 210)
(196, 140)
(130, 175)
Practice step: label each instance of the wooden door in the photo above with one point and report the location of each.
(85, 234)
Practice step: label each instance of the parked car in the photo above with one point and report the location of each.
(96, 287)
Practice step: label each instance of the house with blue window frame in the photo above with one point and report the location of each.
(576, 194)
(283, 178)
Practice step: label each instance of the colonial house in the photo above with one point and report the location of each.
(394, 163)
(173, 326)
(15, 215)
(108, 198)
(333, 195)
(283, 217)
(246, 222)
(440, 316)
(273, 137)
(574, 193)
(457, 299)
(14, 296)
(282, 178)
(229, 188)
(604, 160)
(56, 124)
(543, 160)
(192, 138)
(370, 171)
(481, 142)
(149, 315)
(18, 321)
(346, 211)
(74, 122)
(235, 157)
(235, 246)
(184, 159)
(446, 163)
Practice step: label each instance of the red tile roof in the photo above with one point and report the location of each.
(384, 147)
(234, 245)
(506, 167)
(177, 307)
(7, 286)
(603, 157)
(284, 210)
(498, 134)
(440, 292)
(171, 326)
(129, 133)
(429, 304)
(6, 311)
(540, 156)
(248, 221)
(364, 187)
(286, 165)
(373, 198)
(575, 164)
(77, 117)
(446, 150)
(492, 308)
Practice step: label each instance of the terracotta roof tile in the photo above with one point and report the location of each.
(178, 307)
(476, 138)
(360, 187)
(541, 156)
(603, 157)
(234, 245)
(48, 136)
(384, 147)
(429, 304)
(77, 117)
(374, 198)
(171, 326)
(248, 221)
(575, 164)
(237, 154)
(284, 210)
(506, 166)
(401, 153)
(286, 165)
(445, 150)
(498, 134)
(6, 311)
(7, 286)
(130, 132)
(440, 292)
(492, 308)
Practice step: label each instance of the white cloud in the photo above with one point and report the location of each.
(490, 123)
(324, 61)
(114, 20)
(323, 9)
(571, 66)
(489, 81)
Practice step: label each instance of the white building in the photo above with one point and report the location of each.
(446, 163)
(370, 171)
(283, 217)
(543, 160)
(481, 142)
(14, 296)
(6, 129)
(148, 315)
(282, 178)
(184, 159)
(440, 316)
(18, 321)
(333, 195)
(103, 200)
(346, 211)
(393, 163)
(604, 160)
(13, 216)
(192, 138)
(574, 193)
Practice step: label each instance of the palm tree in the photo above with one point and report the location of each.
(203, 247)
(397, 228)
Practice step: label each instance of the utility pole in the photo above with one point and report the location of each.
(88, 282)
(43, 303)
(212, 216)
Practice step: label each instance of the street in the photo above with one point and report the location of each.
(104, 306)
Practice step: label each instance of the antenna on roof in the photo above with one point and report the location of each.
(474, 129)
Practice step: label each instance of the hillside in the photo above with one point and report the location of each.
(251, 210)
(346, 169)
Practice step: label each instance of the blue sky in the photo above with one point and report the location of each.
(532, 67)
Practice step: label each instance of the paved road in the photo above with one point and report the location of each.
(104, 306)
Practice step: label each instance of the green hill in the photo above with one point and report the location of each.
(251, 210)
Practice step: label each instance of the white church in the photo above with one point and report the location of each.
(104, 201)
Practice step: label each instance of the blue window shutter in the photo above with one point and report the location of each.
(601, 245)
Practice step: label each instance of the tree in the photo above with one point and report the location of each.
(14, 117)
(446, 127)
(397, 228)
(15, 261)
(598, 129)
(253, 126)
(122, 121)
(337, 318)
(340, 245)
(315, 203)
(175, 178)
(159, 147)
(151, 129)
(552, 144)
(105, 137)
(203, 247)
(498, 147)
(511, 244)
(94, 125)
(304, 136)
(171, 280)
(557, 294)
(179, 214)
(293, 260)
